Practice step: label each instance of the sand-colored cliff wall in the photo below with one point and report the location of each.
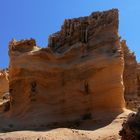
(4, 83)
(131, 78)
(130, 72)
(138, 79)
(4, 90)
(77, 76)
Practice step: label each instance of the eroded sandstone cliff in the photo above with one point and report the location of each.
(4, 83)
(138, 79)
(77, 76)
(131, 78)
(4, 89)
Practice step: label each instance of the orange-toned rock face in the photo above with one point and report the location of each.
(138, 78)
(4, 90)
(131, 78)
(78, 75)
(4, 84)
(130, 72)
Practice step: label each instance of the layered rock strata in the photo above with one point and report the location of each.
(77, 76)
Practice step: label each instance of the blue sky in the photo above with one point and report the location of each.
(38, 19)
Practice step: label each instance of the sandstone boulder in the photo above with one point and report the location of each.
(131, 127)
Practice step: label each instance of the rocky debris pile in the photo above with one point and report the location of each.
(131, 127)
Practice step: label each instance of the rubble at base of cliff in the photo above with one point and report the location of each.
(131, 127)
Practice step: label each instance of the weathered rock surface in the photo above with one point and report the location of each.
(4, 89)
(4, 82)
(131, 78)
(138, 78)
(77, 76)
(131, 127)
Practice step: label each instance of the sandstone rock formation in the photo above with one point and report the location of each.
(131, 127)
(77, 76)
(138, 79)
(131, 78)
(4, 83)
(4, 90)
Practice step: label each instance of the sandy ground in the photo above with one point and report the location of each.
(89, 130)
